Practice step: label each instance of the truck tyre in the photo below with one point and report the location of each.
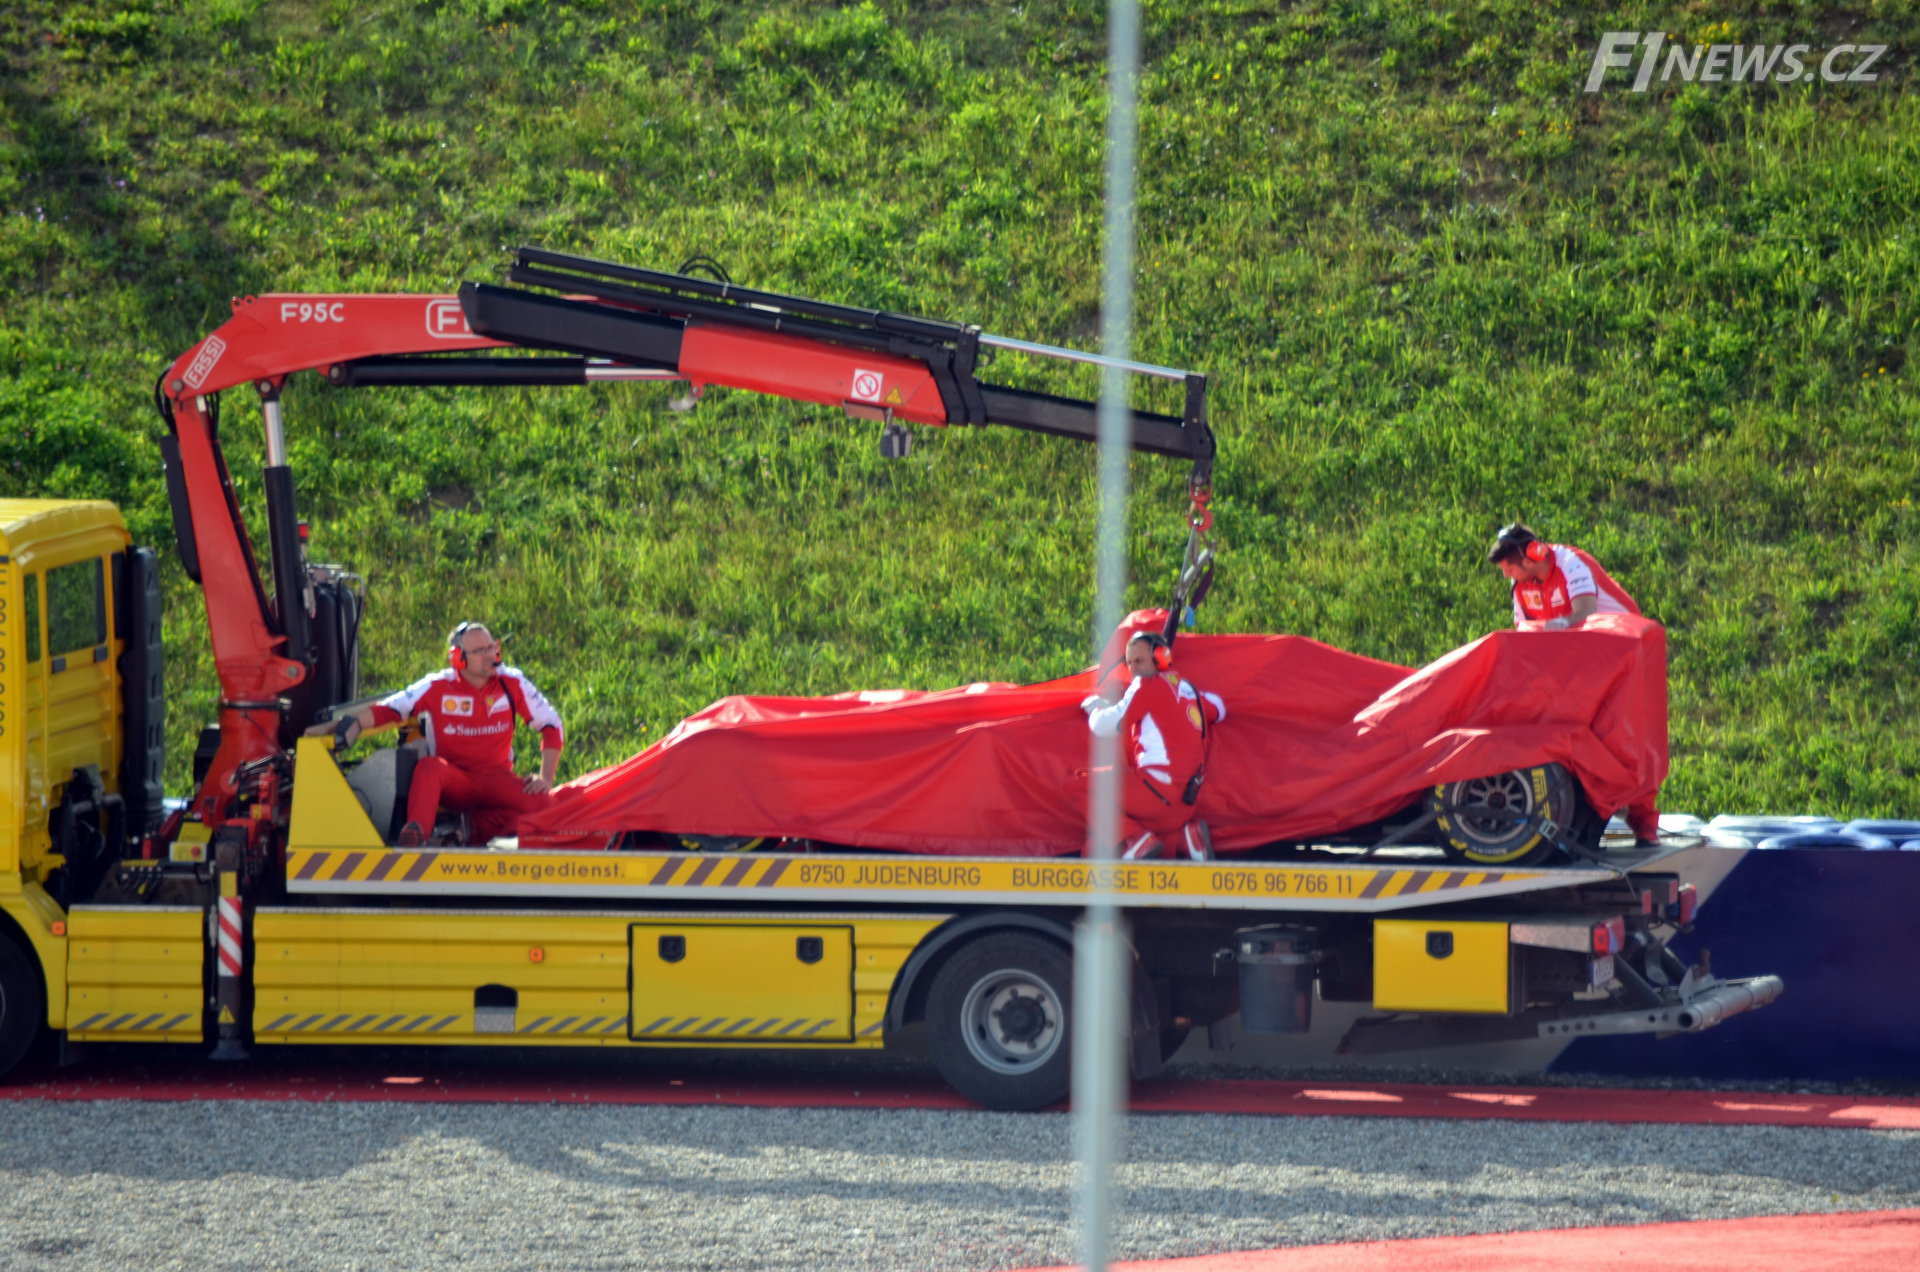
(23, 1007)
(1477, 817)
(998, 1016)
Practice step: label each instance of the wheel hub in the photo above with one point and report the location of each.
(1020, 1019)
(1506, 793)
(1014, 1023)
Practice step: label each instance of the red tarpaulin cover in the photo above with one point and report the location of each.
(1315, 740)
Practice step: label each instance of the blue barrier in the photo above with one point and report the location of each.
(1845, 837)
(1840, 928)
(1750, 830)
(1894, 830)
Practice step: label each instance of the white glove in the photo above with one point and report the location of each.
(1558, 624)
(1091, 701)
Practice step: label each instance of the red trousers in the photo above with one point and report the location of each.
(1153, 806)
(1644, 820)
(495, 798)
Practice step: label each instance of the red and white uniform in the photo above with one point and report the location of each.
(1163, 720)
(470, 733)
(1574, 573)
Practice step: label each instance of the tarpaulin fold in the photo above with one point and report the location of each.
(1316, 740)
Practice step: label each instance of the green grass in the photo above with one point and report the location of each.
(1437, 287)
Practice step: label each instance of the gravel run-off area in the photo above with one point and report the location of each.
(212, 1186)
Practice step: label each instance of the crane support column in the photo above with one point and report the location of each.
(229, 947)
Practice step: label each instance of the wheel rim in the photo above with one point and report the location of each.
(1012, 1021)
(1506, 793)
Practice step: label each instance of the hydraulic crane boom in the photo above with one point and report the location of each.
(591, 321)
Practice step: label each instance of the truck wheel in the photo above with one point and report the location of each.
(997, 1021)
(1477, 817)
(23, 1006)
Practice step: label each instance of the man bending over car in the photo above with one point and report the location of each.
(1560, 587)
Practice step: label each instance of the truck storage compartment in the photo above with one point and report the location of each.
(761, 983)
(400, 976)
(1442, 965)
(136, 973)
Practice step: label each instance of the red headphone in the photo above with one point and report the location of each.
(1518, 536)
(1162, 650)
(456, 656)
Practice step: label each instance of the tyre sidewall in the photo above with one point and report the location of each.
(1046, 1083)
(1554, 796)
(23, 1006)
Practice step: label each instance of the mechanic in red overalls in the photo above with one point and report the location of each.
(1560, 587)
(471, 708)
(1164, 721)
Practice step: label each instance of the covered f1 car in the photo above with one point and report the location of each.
(1507, 750)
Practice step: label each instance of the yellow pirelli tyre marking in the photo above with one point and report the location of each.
(763, 877)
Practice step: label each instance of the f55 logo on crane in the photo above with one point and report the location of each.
(445, 321)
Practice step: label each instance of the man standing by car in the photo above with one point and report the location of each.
(1165, 720)
(1560, 587)
(470, 708)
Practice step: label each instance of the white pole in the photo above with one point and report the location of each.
(1100, 959)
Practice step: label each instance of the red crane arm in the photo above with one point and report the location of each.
(571, 321)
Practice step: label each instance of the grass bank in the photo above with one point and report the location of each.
(1438, 286)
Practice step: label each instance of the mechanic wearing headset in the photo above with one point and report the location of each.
(1554, 583)
(470, 708)
(1560, 587)
(1165, 722)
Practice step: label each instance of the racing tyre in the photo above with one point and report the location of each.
(23, 1007)
(1511, 818)
(997, 1020)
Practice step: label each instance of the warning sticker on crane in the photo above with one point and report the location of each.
(867, 385)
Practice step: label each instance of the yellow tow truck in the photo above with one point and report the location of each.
(269, 907)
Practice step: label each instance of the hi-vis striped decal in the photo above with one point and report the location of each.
(1398, 883)
(744, 872)
(405, 1023)
(1357, 886)
(334, 867)
(706, 1029)
(133, 1022)
(723, 1028)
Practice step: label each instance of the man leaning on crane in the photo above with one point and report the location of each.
(470, 708)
